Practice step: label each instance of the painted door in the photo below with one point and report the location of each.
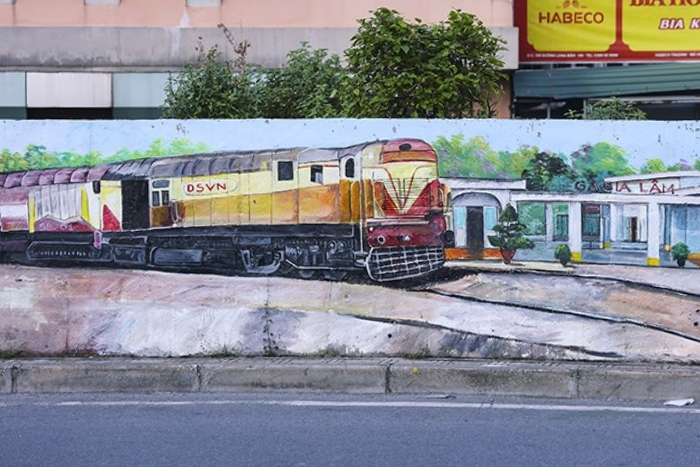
(475, 228)
(460, 226)
(135, 205)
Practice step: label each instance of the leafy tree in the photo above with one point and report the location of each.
(308, 87)
(543, 169)
(653, 166)
(12, 161)
(403, 70)
(460, 158)
(613, 109)
(212, 88)
(602, 160)
(512, 164)
(39, 158)
(158, 148)
(475, 159)
(509, 233)
(680, 165)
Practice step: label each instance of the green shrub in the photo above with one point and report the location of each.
(680, 252)
(563, 254)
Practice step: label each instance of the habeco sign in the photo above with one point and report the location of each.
(554, 31)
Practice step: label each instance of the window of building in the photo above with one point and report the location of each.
(69, 113)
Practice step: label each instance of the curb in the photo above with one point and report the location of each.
(567, 380)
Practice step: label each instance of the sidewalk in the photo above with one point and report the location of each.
(569, 380)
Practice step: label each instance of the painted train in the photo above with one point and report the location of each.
(377, 206)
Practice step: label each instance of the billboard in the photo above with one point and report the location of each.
(556, 31)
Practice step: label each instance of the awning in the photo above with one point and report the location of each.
(585, 82)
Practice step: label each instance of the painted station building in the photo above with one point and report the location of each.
(630, 219)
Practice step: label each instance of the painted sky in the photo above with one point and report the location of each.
(669, 141)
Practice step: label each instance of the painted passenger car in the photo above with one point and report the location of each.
(376, 206)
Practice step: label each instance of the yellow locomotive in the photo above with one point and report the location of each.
(376, 206)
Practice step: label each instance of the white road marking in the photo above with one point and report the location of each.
(361, 404)
(467, 405)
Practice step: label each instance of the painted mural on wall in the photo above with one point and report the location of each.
(601, 209)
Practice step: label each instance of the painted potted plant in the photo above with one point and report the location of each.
(563, 254)
(679, 253)
(509, 234)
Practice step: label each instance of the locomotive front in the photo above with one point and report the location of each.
(405, 226)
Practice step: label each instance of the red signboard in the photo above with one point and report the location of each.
(556, 31)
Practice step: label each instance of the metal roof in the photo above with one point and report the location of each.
(211, 163)
(29, 178)
(585, 82)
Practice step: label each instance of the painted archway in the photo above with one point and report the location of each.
(473, 217)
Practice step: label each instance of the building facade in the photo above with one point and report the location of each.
(111, 59)
(634, 219)
(580, 52)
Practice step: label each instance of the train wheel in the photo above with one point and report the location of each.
(334, 275)
(264, 262)
(306, 273)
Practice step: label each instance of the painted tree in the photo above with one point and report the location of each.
(653, 165)
(465, 158)
(474, 158)
(544, 169)
(399, 69)
(509, 234)
(595, 163)
(12, 161)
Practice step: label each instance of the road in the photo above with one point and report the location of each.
(324, 430)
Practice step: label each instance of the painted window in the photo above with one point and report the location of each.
(285, 171)
(350, 168)
(532, 215)
(490, 217)
(560, 212)
(317, 174)
(591, 221)
(160, 193)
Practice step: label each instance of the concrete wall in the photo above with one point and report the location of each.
(140, 313)
(150, 48)
(97, 35)
(237, 13)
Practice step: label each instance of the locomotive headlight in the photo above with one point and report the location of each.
(405, 238)
(381, 239)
